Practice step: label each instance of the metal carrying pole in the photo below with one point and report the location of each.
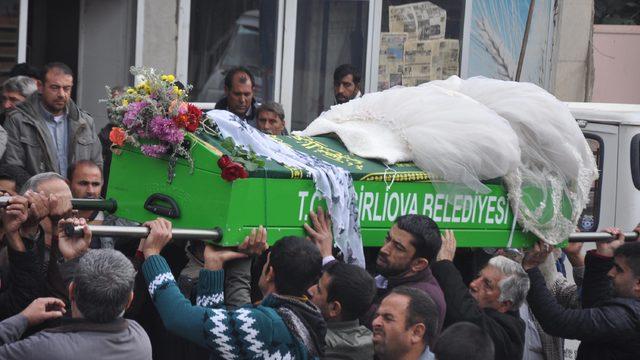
(600, 236)
(108, 205)
(143, 231)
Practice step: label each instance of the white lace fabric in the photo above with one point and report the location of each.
(332, 182)
(467, 131)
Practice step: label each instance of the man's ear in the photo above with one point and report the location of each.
(636, 288)
(417, 333)
(131, 297)
(335, 309)
(505, 306)
(419, 264)
(270, 274)
(40, 86)
(71, 289)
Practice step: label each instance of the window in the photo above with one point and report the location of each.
(419, 41)
(224, 34)
(635, 160)
(590, 216)
(9, 19)
(328, 33)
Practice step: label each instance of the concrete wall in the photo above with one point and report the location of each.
(572, 73)
(160, 35)
(105, 51)
(617, 63)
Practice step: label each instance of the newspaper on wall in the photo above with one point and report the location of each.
(420, 20)
(450, 55)
(423, 61)
(391, 60)
(414, 50)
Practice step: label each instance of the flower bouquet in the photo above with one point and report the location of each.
(156, 117)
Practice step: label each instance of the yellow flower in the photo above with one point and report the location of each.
(131, 91)
(144, 87)
(125, 102)
(168, 78)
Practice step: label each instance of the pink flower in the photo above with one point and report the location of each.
(154, 150)
(133, 110)
(164, 129)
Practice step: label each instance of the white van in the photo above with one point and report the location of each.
(613, 132)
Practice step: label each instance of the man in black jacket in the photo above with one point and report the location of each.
(608, 325)
(491, 302)
(238, 89)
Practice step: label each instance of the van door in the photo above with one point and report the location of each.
(601, 209)
(628, 187)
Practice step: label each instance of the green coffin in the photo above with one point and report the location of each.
(280, 198)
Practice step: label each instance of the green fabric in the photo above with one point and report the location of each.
(243, 333)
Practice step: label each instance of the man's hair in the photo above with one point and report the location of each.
(464, 340)
(20, 84)
(297, 264)
(57, 66)
(34, 182)
(25, 69)
(228, 76)
(344, 70)
(72, 168)
(103, 284)
(515, 285)
(425, 233)
(272, 106)
(352, 287)
(421, 309)
(631, 252)
(14, 173)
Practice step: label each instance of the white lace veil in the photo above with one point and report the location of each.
(467, 131)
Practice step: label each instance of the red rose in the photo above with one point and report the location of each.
(117, 136)
(234, 171)
(181, 120)
(194, 115)
(224, 161)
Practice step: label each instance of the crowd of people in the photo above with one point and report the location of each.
(103, 297)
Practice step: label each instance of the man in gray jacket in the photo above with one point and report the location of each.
(48, 131)
(343, 294)
(100, 291)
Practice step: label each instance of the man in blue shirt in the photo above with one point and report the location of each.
(48, 131)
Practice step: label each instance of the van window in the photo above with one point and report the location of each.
(635, 160)
(590, 216)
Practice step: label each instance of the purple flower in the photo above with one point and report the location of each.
(133, 110)
(165, 130)
(154, 150)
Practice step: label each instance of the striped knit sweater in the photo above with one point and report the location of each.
(251, 332)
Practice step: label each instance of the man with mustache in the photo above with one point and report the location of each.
(346, 83)
(238, 89)
(491, 301)
(48, 131)
(411, 245)
(405, 324)
(85, 181)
